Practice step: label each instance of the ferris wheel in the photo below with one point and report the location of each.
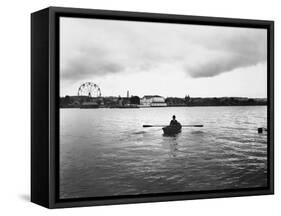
(89, 89)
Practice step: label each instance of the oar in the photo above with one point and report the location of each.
(166, 125)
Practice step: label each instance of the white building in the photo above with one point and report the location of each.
(152, 101)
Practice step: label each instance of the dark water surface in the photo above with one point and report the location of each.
(105, 152)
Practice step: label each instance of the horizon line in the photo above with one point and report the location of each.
(175, 96)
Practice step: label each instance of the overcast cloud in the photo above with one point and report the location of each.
(92, 48)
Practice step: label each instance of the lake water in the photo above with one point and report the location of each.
(105, 152)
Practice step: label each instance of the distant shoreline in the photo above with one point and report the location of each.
(153, 101)
(164, 107)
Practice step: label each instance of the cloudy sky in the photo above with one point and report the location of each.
(165, 59)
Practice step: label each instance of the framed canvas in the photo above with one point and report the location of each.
(132, 107)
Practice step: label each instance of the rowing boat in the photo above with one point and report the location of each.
(172, 129)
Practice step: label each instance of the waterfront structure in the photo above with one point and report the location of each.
(152, 101)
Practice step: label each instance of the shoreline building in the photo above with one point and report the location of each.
(152, 101)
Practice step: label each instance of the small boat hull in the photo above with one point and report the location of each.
(171, 130)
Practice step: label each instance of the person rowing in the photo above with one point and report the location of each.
(174, 125)
(174, 122)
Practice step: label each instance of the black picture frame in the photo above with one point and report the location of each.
(45, 105)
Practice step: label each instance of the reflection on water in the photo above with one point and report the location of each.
(106, 152)
(171, 141)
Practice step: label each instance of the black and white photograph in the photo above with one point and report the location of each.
(153, 108)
